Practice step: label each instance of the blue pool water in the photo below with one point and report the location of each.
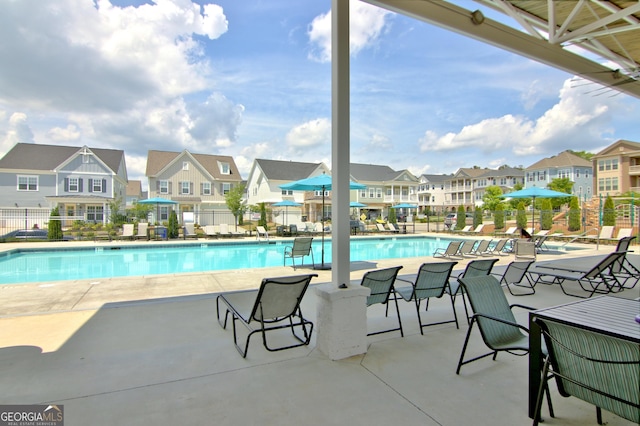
(25, 266)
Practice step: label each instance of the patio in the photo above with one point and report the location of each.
(149, 351)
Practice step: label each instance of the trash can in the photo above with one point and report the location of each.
(161, 232)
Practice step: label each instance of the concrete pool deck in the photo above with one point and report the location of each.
(148, 350)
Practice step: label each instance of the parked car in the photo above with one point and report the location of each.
(452, 219)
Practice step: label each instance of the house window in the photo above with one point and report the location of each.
(185, 188)
(164, 213)
(73, 185)
(206, 188)
(372, 193)
(363, 193)
(27, 183)
(95, 213)
(287, 192)
(379, 193)
(224, 168)
(163, 186)
(319, 193)
(96, 185)
(185, 165)
(226, 187)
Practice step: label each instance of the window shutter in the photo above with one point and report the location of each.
(170, 188)
(157, 186)
(90, 185)
(80, 185)
(104, 185)
(190, 188)
(66, 184)
(202, 189)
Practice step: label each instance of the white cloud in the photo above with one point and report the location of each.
(15, 129)
(576, 121)
(366, 24)
(311, 134)
(99, 57)
(69, 133)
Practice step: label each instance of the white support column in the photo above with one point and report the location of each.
(342, 312)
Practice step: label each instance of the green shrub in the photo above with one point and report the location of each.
(521, 216)
(498, 218)
(461, 218)
(574, 215)
(546, 214)
(54, 232)
(609, 212)
(173, 229)
(477, 217)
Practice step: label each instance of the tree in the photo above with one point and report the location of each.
(561, 185)
(609, 212)
(582, 154)
(514, 202)
(492, 197)
(477, 217)
(140, 211)
(521, 216)
(546, 214)
(498, 219)
(233, 198)
(173, 227)
(461, 218)
(393, 218)
(263, 216)
(115, 217)
(574, 214)
(54, 232)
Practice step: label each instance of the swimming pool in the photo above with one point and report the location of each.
(44, 265)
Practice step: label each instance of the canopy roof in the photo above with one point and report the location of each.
(549, 32)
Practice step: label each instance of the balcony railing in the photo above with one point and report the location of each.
(634, 170)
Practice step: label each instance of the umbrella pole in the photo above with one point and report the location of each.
(322, 266)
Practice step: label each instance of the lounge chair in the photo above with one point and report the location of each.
(491, 311)
(431, 281)
(143, 231)
(276, 306)
(127, 231)
(482, 248)
(301, 247)
(261, 233)
(540, 243)
(509, 232)
(525, 249)
(450, 251)
(238, 232)
(465, 230)
(223, 230)
(606, 233)
(381, 282)
(478, 229)
(380, 227)
(466, 249)
(594, 367)
(622, 269)
(498, 248)
(514, 275)
(210, 231)
(597, 279)
(189, 231)
(475, 268)
(293, 229)
(392, 228)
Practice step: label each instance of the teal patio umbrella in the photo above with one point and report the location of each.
(533, 193)
(157, 201)
(286, 204)
(318, 183)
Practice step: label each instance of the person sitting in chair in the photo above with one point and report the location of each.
(524, 234)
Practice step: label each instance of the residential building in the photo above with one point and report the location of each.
(564, 165)
(459, 187)
(385, 187)
(617, 169)
(504, 177)
(263, 186)
(431, 195)
(134, 193)
(81, 181)
(198, 184)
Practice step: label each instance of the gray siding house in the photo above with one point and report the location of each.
(81, 181)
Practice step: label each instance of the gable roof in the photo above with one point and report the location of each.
(471, 172)
(286, 170)
(434, 178)
(563, 159)
(30, 156)
(134, 188)
(619, 147)
(158, 160)
(503, 171)
(374, 173)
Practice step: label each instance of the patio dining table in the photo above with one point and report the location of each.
(607, 315)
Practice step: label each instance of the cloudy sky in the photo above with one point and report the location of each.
(252, 79)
